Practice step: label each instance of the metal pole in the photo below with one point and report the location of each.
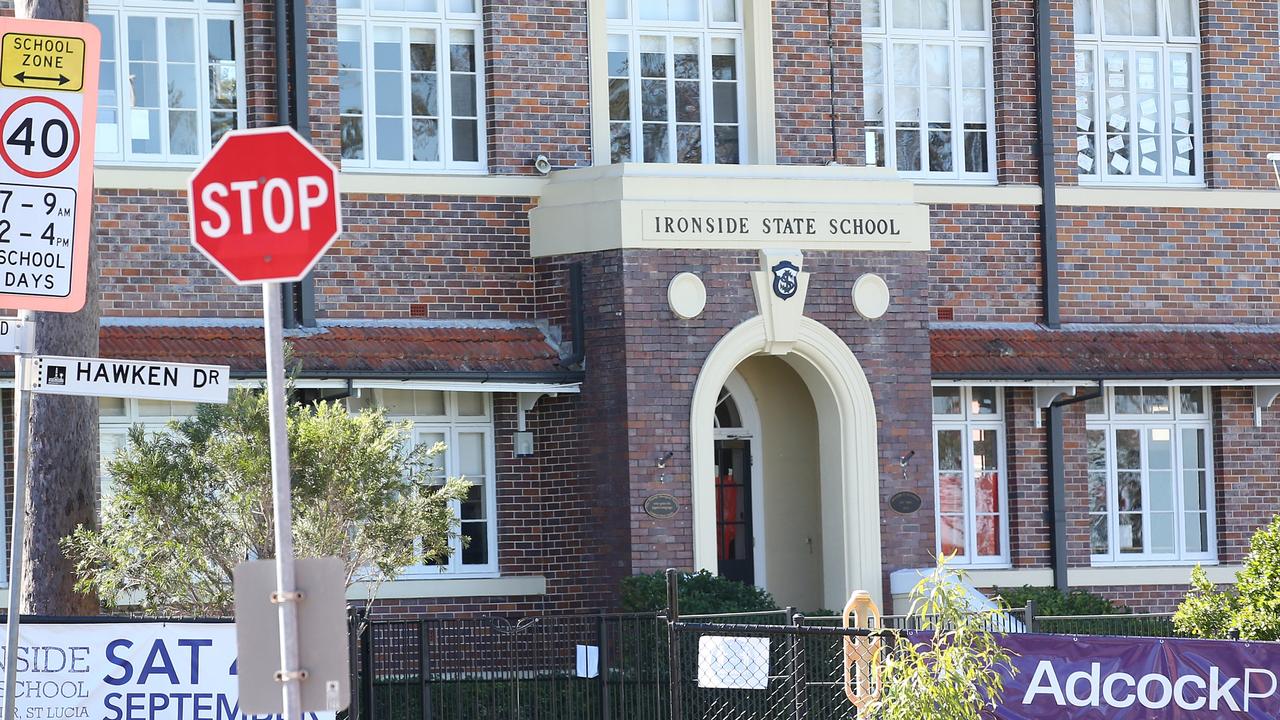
(21, 419)
(673, 643)
(286, 597)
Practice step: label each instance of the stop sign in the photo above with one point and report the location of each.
(264, 205)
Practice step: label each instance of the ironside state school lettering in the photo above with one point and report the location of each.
(790, 226)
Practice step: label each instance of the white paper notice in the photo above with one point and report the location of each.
(1148, 107)
(1147, 82)
(1082, 143)
(1115, 80)
(733, 662)
(1085, 162)
(1118, 122)
(1115, 142)
(1115, 64)
(1148, 165)
(1181, 106)
(1180, 82)
(588, 661)
(1148, 145)
(1084, 122)
(1181, 125)
(140, 124)
(1182, 165)
(1147, 124)
(1146, 64)
(1115, 102)
(1120, 163)
(1184, 145)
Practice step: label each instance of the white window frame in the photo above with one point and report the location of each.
(450, 425)
(887, 36)
(361, 16)
(633, 28)
(200, 12)
(966, 422)
(1109, 421)
(1099, 42)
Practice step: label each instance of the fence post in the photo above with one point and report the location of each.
(795, 650)
(368, 706)
(1029, 616)
(354, 617)
(424, 671)
(673, 645)
(602, 667)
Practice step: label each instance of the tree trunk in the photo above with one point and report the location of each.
(63, 459)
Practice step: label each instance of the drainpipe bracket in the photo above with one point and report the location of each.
(1047, 396)
(1263, 397)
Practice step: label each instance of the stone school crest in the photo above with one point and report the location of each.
(786, 279)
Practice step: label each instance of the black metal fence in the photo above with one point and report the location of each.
(634, 667)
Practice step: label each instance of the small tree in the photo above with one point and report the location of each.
(955, 672)
(1253, 607)
(190, 504)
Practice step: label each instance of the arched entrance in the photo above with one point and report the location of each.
(847, 521)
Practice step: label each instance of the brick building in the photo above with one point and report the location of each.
(795, 264)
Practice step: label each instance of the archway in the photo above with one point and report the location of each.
(850, 515)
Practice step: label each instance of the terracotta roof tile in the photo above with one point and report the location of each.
(1026, 353)
(392, 351)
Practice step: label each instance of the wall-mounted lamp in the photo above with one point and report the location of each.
(662, 465)
(542, 164)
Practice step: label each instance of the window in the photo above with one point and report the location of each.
(463, 422)
(969, 474)
(675, 72)
(171, 83)
(1137, 91)
(928, 88)
(117, 416)
(1151, 475)
(411, 81)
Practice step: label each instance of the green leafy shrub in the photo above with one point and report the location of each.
(701, 593)
(958, 672)
(1052, 601)
(1253, 607)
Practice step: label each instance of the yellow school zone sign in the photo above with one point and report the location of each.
(43, 62)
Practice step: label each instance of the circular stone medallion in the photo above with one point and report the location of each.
(871, 296)
(687, 296)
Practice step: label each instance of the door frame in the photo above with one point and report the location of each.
(751, 431)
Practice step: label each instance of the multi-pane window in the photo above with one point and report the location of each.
(676, 86)
(1137, 72)
(410, 84)
(970, 485)
(170, 83)
(463, 422)
(927, 87)
(1150, 475)
(117, 416)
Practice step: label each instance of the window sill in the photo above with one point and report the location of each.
(446, 586)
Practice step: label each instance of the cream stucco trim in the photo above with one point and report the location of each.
(1099, 576)
(978, 194)
(114, 178)
(827, 359)
(410, 184)
(455, 587)
(1168, 197)
(759, 113)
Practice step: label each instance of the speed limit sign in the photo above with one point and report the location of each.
(48, 104)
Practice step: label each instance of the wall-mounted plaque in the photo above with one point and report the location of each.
(905, 502)
(661, 506)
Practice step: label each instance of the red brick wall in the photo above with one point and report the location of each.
(1245, 460)
(1013, 38)
(985, 262)
(463, 258)
(1168, 265)
(1027, 472)
(803, 70)
(1240, 71)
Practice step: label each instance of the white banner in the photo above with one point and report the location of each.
(130, 671)
(97, 377)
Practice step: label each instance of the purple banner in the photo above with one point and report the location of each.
(1065, 677)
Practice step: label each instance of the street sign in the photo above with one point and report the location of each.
(48, 107)
(323, 651)
(264, 206)
(16, 336)
(50, 375)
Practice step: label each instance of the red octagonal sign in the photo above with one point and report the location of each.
(264, 206)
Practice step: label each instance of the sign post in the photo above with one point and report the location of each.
(264, 209)
(48, 109)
